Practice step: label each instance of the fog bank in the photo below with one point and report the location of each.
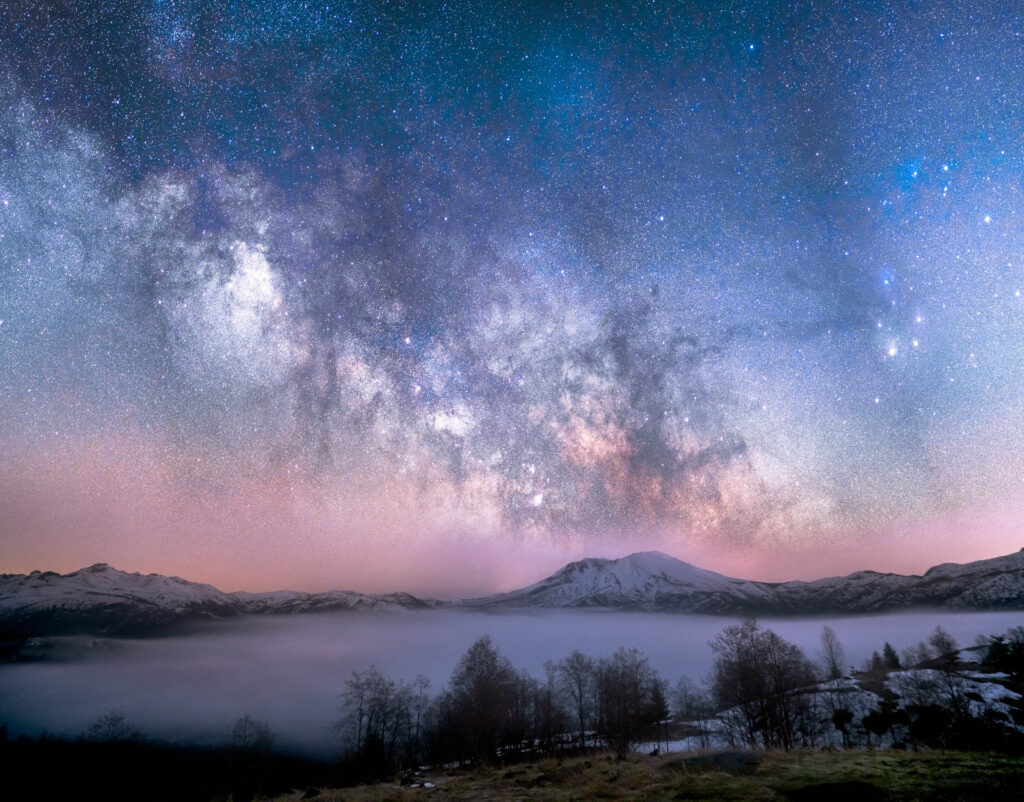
(289, 671)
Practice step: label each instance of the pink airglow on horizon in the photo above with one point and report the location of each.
(115, 503)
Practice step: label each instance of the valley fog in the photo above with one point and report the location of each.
(290, 671)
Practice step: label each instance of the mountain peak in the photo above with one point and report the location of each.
(672, 569)
(637, 580)
(655, 561)
(652, 561)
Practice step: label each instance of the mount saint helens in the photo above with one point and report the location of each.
(103, 600)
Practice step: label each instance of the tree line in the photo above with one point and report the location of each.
(491, 711)
(763, 692)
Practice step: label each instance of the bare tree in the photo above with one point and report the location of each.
(625, 695)
(375, 721)
(1006, 653)
(915, 655)
(477, 711)
(251, 735)
(419, 704)
(833, 658)
(691, 704)
(552, 719)
(518, 732)
(113, 727)
(942, 642)
(576, 683)
(757, 674)
(658, 709)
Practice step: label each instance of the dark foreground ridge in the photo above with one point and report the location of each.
(874, 776)
(131, 772)
(101, 600)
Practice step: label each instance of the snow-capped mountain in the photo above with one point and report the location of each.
(103, 600)
(997, 583)
(647, 580)
(655, 581)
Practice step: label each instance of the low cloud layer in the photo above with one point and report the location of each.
(193, 688)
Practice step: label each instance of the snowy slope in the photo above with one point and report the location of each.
(289, 601)
(646, 580)
(101, 584)
(981, 701)
(655, 581)
(997, 583)
(103, 600)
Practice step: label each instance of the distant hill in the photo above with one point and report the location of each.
(102, 600)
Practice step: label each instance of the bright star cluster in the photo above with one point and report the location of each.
(350, 293)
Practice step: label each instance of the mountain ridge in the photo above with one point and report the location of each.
(100, 599)
(103, 600)
(677, 586)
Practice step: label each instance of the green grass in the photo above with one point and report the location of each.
(794, 777)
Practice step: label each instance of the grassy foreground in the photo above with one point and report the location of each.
(827, 776)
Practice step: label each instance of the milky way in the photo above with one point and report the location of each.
(330, 278)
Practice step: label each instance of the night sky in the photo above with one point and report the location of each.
(437, 296)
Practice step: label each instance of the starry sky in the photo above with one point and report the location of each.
(436, 296)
